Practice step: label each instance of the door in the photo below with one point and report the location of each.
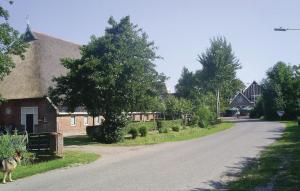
(29, 123)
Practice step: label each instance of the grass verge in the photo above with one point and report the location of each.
(70, 158)
(278, 167)
(154, 137)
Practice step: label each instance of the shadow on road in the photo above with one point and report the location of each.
(231, 174)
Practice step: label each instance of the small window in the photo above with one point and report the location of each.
(85, 120)
(73, 121)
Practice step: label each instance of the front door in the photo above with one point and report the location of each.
(29, 123)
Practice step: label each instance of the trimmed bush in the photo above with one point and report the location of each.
(163, 130)
(143, 131)
(133, 132)
(176, 128)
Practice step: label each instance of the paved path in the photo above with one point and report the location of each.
(190, 165)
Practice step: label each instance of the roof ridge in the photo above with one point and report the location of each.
(44, 34)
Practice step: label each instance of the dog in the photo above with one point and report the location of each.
(8, 165)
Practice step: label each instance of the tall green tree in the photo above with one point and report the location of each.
(218, 72)
(185, 86)
(281, 91)
(219, 66)
(113, 76)
(11, 44)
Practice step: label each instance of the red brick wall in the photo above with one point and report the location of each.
(142, 116)
(45, 111)
(64, 124)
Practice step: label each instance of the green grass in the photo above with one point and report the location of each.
(153, 137)
(278, 165)
(70, 158)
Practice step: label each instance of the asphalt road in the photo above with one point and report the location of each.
(200, 164)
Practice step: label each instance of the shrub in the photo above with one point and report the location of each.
(9, 144)
(133, 132)
(90, 131)
(176, 128)
(163, 130)
(205, 117)
(112, 129)
(143, 131)
(158, 124)
(202, 123)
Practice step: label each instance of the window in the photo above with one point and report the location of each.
(85, 120)
(73, 121)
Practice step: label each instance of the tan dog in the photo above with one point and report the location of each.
(8, 165)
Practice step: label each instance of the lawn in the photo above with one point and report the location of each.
(278, 167)
(154, 137)
(70, 158)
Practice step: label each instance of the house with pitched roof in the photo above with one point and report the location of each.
(245, 100)
(25, 89)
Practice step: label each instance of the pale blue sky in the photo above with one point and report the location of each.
(181, 29)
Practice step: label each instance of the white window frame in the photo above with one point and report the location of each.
(71, 122)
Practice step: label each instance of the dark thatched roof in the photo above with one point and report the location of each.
(32, 76)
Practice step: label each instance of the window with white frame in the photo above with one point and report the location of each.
(73, 121)
(85, 120)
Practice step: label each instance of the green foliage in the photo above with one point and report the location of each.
(281, 91)
(257, 111)
(176, 128)
(90, 131)
(9, 144)
(10, 44)
(205, 117)
(219, 66)
(186, 84)
(111, 131)
(133, 132)
(163, 130)
(159, 124)
(115, 74)
(143, 131)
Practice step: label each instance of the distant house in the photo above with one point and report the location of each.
(25, 89)
(245, 100)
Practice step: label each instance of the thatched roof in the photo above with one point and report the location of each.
(32, 76)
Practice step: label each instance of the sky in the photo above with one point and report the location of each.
(181, 29)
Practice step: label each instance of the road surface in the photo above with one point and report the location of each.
(200, 164)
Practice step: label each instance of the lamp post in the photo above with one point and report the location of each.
(281, 29)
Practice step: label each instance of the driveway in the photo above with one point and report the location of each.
(200, 164)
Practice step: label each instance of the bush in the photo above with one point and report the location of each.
(143, 131)
(9, 144)
(90, 131)
(176, 128)
(205, 116)
(112, 129)
(257, 111)
(158, 124)
(163, 130)
(133, 132)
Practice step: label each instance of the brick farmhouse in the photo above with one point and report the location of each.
(27, 105)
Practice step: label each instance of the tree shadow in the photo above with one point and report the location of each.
(232, 173)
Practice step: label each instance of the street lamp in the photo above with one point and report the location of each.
(285, 29)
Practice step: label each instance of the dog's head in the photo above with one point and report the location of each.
(18, 156)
